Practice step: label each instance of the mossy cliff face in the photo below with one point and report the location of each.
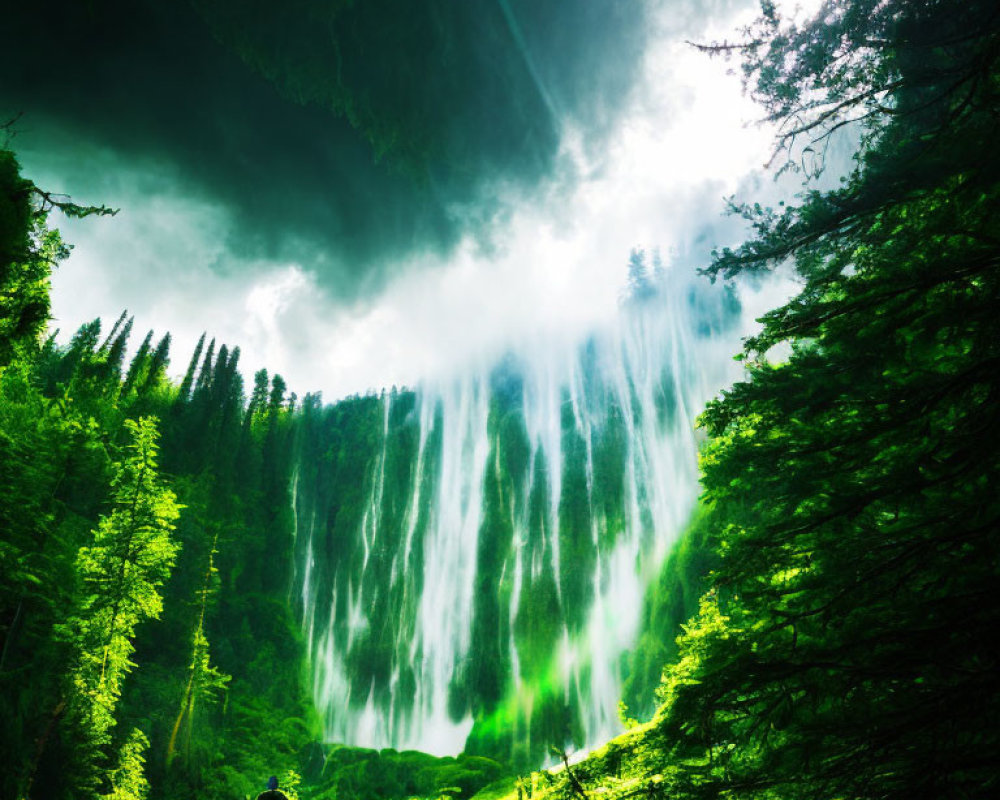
(472, 556)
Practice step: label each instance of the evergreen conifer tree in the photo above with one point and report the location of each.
(158, 364)
(188, 381)
(137, 366)
(115, 329)
(28, 252)
(204, 381)
(847, 648)
(121, 573)
(112, 370)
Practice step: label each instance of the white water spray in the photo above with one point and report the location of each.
(397, 626)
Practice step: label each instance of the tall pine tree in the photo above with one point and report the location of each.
(121, 574)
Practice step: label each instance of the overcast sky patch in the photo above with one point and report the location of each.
(443, 275)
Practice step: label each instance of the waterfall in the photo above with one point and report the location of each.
(472, 555)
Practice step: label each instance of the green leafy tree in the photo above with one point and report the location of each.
(113, 333)
(28, 253)
(53, 470)
(204, 680)
(157, 365)
(128, 779)
(846, 647)
(258, 398)
(59, 366)
(205, 373)
(115, 356)
(137, 366)
(120, 573)
(77, 585)
(188, 381)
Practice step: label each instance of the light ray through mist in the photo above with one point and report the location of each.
(529, 62)
(554, 267)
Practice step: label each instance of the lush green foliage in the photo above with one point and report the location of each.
(670, 602)
(98, 698)
(28, 251)
(119, 574)
(148, 643)
(351, 773)
(128, 778)
(846, 647)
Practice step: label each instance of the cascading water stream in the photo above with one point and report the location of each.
(473, 556)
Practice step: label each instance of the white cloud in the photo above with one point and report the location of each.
(268, 304)
(557, 270)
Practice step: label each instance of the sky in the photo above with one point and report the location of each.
(368, 194)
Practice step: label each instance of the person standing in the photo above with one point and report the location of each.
(272, 792)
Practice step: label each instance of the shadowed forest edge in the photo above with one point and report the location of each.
(837, 581)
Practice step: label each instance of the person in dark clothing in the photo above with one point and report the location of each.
(272, 792)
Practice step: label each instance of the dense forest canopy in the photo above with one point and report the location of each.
(840, 576)
(845, 647)
(93, 548)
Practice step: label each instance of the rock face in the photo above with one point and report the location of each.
(472, 555)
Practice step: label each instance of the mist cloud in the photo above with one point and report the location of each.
(344, 135)
(264, 218)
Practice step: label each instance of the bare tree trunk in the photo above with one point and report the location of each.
(577, 787)
(43, 741)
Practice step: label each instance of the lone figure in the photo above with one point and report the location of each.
(272, 792)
